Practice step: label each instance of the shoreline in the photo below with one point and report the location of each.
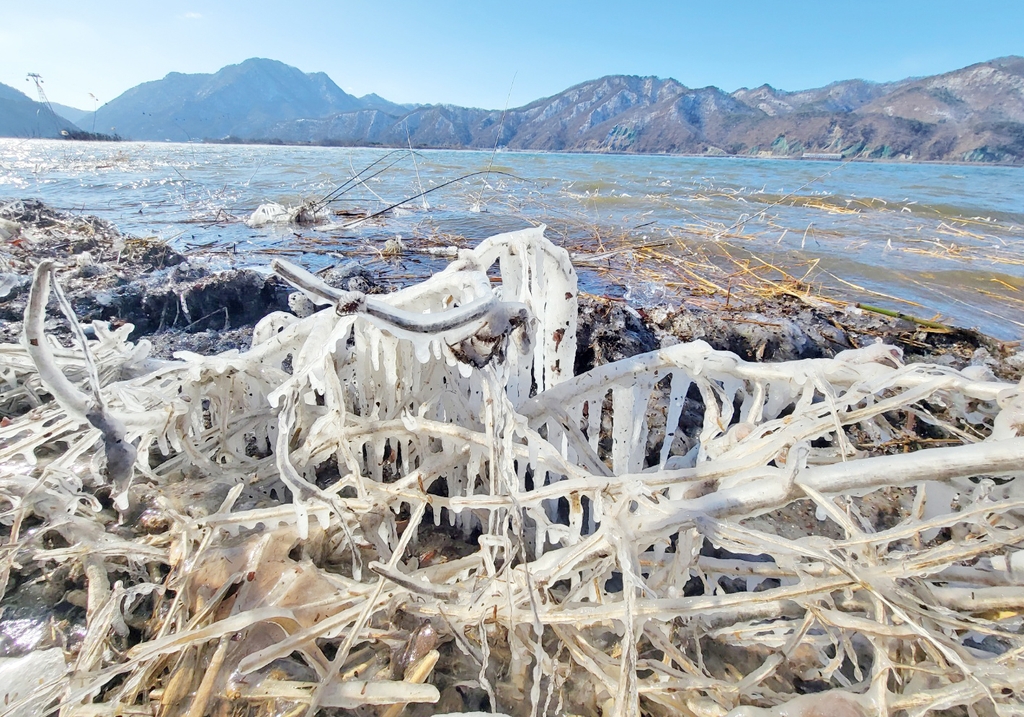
(485, 150)
(179, 301)
(725, 156)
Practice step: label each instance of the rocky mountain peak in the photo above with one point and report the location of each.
(975, 113)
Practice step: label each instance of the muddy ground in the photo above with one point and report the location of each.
(184, 302)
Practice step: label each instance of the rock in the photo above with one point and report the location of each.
(351, 276)
(608, 331)
(9, 230)
(765, 335)
(21, 675)
(241, 297)
(300, 305)
(11, 284)
(91, 271)
(151, 253)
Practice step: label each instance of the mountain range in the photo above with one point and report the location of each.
(972, 114)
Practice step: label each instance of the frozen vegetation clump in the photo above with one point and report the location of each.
(410, 502)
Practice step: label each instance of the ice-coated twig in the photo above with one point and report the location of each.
(120, 454)
(76, 403)
(315, 288)
(474, 332)
(350, 302)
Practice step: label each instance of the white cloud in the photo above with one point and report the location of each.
(192, 16)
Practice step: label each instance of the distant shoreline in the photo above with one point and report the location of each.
(346, 145)
(724, 156)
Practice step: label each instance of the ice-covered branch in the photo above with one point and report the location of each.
(473, 330)
(76, 403)
(120, 454)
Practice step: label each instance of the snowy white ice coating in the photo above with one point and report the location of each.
(681, 532)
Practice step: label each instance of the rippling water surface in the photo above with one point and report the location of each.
(930, 240)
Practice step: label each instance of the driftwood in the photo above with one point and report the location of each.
(410, 499)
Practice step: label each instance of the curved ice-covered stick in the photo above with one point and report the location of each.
(349, 302)
(76, 403)
(697, 356)
(120, 453)
(319, 291)
(769, 492)
(431, 323)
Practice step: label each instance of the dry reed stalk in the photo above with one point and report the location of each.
(416, 487)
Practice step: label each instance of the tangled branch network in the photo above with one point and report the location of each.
(410, 502)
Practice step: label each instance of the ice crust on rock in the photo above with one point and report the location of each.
(595, 526)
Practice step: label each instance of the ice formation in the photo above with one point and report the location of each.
(411, 500)
(274, 213)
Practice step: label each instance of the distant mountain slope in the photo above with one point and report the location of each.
(376, 102)
(845, 96)
(622, 113)
(986, 92)
(23, 117)
(239, 100)
(975, 114)
(616, 113)
(9, 93)
(72, 114)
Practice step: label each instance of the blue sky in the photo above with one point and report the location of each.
(468, 53)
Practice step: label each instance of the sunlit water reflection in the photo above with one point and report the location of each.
(926, 239)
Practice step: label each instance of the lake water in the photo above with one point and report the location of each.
(943, 241)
